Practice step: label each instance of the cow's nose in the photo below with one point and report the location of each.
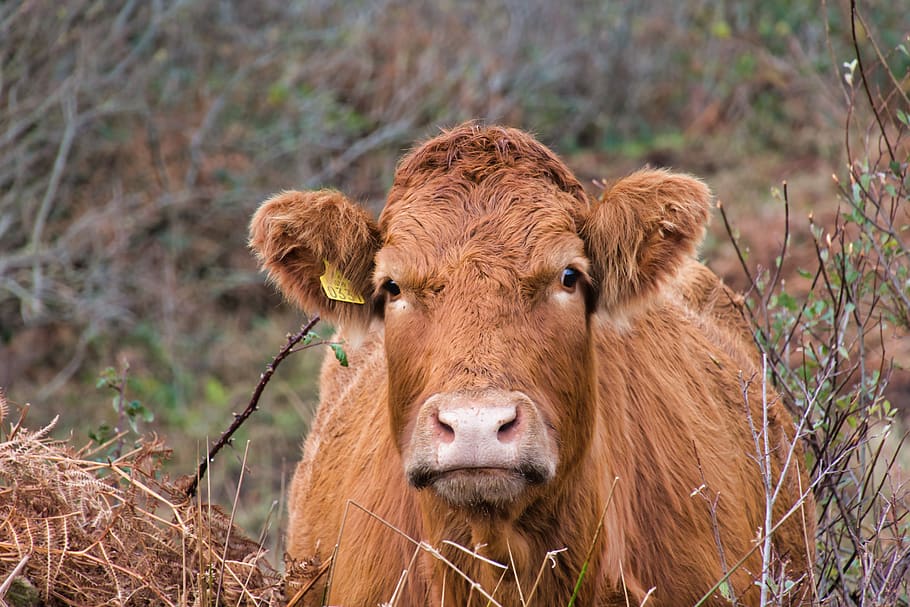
(479, 447)
(477, 435)
(478, 425)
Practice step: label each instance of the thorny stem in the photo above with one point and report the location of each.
(225, 438)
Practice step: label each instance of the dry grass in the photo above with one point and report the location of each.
(77, 531)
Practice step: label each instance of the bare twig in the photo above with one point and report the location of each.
(859, 62)
(735, 242)
(755, 546)
(230, 526)
(4, 587)
(779, 262)
(225, 438)
(712, 510)
(70, 113)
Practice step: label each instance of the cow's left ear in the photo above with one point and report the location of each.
(641, 231)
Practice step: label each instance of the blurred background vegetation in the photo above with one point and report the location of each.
(138, 136)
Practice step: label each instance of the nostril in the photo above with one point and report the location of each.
(444, 432)
(508, 430)
(505, 430)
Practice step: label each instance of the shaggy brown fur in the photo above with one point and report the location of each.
(637, 370)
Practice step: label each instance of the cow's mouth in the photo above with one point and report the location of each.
(474, 488)
(479, 451)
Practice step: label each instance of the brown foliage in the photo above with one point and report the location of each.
(84, 532)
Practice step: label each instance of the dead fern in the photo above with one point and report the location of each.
(78, 532)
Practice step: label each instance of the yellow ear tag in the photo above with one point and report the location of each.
(337, 287)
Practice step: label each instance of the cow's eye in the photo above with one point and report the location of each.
(391, 287)
(569, 278)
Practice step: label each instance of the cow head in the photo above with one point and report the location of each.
(486, 270)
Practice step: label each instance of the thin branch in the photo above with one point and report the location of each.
(253, 405)
(854, 17)
(735, 243)
(63, 150)
(772, 286)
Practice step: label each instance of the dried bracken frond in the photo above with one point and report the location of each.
(4, 405)
(302, 574)
(115, 533)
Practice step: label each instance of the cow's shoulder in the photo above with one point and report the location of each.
(363, 369)
(717, 311)
(351, 398)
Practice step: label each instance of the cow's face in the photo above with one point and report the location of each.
(486, 267)
(485, 291)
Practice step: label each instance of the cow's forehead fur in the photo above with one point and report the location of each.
(473, 153)
(494, 195)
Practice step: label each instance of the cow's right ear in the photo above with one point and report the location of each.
(319, 249)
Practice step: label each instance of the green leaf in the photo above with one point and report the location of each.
(725, 591)
(278, 93)
(784, 300)
(215, 391)
(108, 377)
(101, 434)
(339, 354)
(721, 29)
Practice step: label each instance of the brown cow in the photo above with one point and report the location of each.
(518, 348)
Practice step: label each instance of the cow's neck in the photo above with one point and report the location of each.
(556, 530)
